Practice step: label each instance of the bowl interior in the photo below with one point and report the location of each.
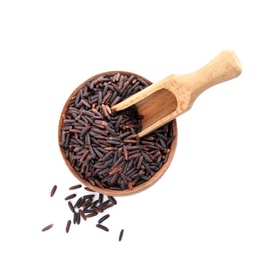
(135, 189)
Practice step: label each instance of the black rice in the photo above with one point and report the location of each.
(75, 217)
(102, 219)
(78, 202)
(82, 214)
(71, 206)
(53, 190)
(96, 139)
(47, 227)
(112, 199)
(68, 226)
(93, 214)
(121, 234)
(70, 196)
(102, 227)
(87, 206)
(78, 218)
(75, 187)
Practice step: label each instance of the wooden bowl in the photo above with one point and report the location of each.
(135, 189)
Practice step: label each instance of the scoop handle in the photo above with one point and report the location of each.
(223, 67)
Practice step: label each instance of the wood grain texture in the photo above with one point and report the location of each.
(172, 96)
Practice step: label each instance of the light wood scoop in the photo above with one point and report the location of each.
(163, 101)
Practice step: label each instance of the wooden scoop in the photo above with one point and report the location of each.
(163, 101)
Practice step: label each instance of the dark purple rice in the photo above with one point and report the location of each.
(96, 139)
(89, 196)
(70, 196)
(104, 204)
(121, 234)
(78, 202)
(94, 204)
(98, 209)
(93, 214)
(87, 205)
(102, 227)
(71, 207)
(75, 217)
(68, 226)
(78, 218)
(112, 199)
(82, 214)
(83, 204)
(108, 206)
(75, 187)
(100, 198)
(53, 190)
(88, 211)
(47, 227)
(102, 219)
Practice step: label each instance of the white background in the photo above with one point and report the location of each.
(207, 205)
